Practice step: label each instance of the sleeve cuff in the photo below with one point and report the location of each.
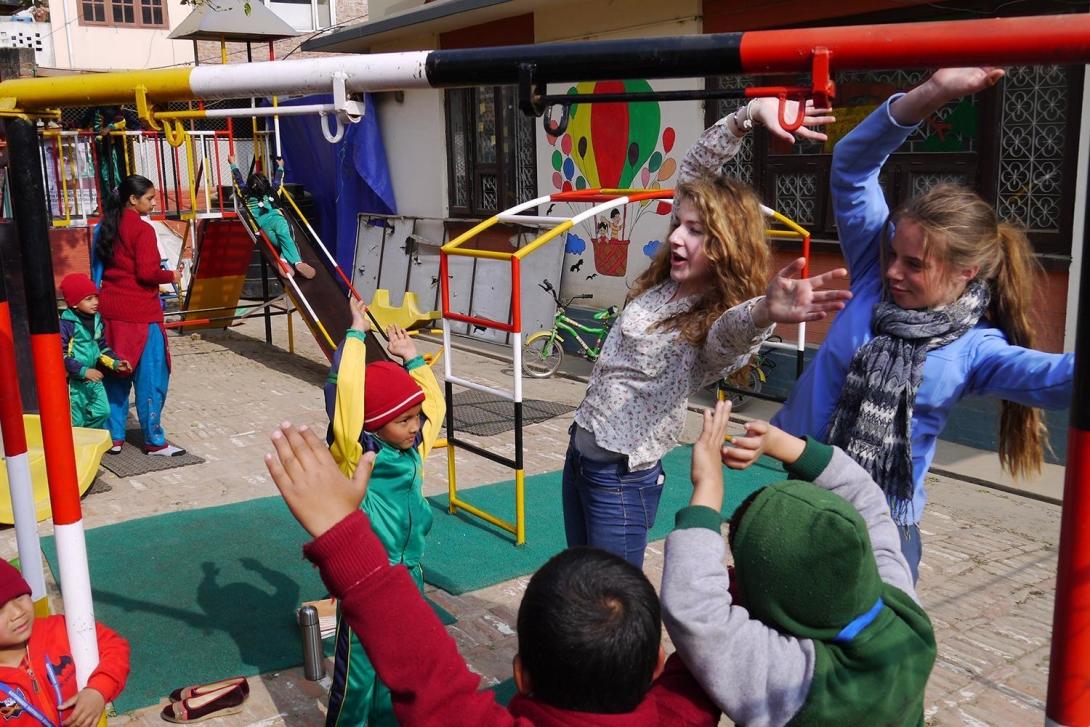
(414, 363)
(697, 516)
(347, 553)
(889, 114)
(105, 685)
(356, 333)
(815, 458)
(83, 372)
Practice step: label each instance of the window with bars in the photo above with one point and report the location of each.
(492, 158)
(1014, 144)
(127, 13)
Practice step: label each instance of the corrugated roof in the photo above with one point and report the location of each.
(228, 20)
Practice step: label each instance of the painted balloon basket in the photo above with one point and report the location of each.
(611, 256)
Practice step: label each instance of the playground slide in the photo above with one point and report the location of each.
(219, 272)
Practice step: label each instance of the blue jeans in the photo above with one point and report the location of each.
(911, 548)
(609, 507)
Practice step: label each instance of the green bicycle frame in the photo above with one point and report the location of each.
(573, 327)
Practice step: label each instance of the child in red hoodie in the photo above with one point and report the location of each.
(37, 674)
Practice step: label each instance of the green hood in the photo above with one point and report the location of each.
(804, 561)
(804, 564)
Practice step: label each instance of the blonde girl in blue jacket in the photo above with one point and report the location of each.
(941, 309)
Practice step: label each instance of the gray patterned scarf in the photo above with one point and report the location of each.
(873, 415)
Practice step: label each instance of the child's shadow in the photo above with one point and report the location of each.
(248, 614)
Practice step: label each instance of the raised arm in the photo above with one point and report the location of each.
(278, 175)
(755, 674)
(411, 651)
(858, 200)
(721, 141)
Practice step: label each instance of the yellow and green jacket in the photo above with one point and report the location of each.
(84, 344)
(395, 503)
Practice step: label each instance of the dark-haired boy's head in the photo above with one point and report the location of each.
(257, 185)
(590, 633)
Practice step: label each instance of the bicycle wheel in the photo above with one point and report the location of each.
(541, 355)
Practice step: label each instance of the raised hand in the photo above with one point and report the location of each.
(317, 493)
(766, 111)
(360, 320)
(945, 85)
(793, 300)
(401, 344)
(707, 467)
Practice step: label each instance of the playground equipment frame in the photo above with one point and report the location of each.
(1061, 39)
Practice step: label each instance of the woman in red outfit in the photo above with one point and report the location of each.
(132, 315)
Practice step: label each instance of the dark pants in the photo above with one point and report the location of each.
(911, 548)
(609, 507)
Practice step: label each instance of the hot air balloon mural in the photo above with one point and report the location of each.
(614, 146)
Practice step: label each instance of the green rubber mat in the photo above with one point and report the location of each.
(465, 553)
(202, 594)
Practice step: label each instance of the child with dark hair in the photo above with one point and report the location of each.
(83, 341)
(588, 628)
(819, 623)
(37, 674)
(260, 197)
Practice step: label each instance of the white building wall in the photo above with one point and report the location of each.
(105, 48)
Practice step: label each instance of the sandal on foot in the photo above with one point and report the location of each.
(219, 703)
(199, 690)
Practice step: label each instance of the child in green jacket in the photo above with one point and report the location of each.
(260, 198)
(819, 622)
(85, 349)
(396, 412)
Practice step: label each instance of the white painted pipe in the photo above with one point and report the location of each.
(26, 523)
(379, 72)
(79, 613)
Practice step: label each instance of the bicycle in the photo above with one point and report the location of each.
(749, 379)
(543, 351)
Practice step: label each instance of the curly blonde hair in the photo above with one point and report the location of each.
(736, 247)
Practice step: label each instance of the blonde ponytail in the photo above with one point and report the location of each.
(962, 232)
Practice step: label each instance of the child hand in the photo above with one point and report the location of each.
(953, 83)
(87, 707)
(707, 468)
(792, 300)
(93, 375)
(401, 344)
(360, 320)
(123, 367)
(231, 159)
(317, 493)
(766, 111)
(280, 161)
(744, 451)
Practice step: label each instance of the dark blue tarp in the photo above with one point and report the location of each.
(345, 178)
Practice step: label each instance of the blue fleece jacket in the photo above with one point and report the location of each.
(981, 362)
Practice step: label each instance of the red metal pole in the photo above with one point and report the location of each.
(1069, 667)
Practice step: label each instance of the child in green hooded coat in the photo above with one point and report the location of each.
(819, 623)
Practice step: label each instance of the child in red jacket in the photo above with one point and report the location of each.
(37, 673)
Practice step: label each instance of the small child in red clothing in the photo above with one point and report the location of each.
(37, 673)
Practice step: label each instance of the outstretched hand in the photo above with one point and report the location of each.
(794, 300)
(766, 111)
(400, 343)
(707, 467)
(944, 85)
(315, 490)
